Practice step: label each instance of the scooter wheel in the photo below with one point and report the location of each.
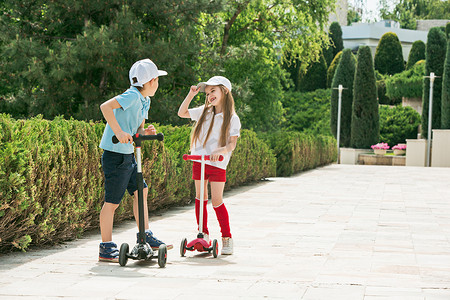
(123, 254)
(162, 255)
(183, 247)
(215, 248)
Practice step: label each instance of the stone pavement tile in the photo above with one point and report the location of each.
(335, 292)
(383, 292)
(436, 294)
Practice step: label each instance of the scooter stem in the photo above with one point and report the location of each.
(202, 195)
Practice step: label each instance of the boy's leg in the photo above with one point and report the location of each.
(107, 220)
(205, 204)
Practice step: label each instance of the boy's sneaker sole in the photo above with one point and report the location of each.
(111, 260)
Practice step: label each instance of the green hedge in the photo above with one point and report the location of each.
(296, 151)
(408, 83)
(51, 182)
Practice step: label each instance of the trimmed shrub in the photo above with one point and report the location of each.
(398, 124)
(296, 152)
(365, 119)
(417, 53)
(445, 104)
(435, 56)
(51, 182)
(332, 68)
(315, 77)
(408, 83)
(345, 74)
(308, 112)
(336, 36)
(388, 55)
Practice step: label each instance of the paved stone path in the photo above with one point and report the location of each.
(337, 232)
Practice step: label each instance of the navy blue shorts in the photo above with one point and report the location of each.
(120, 174)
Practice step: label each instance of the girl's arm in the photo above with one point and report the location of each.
(107, 109)
(183, 111)
(230, 146)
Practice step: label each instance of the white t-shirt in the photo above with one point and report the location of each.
(213, 141)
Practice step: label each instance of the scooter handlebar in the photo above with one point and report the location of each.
(199, 157)
(142, 137)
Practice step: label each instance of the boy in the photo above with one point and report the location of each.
(125, 115)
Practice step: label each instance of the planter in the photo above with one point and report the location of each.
(417, 150)
(349, 156)
(379, 151)
(440, 148)
(399, 152)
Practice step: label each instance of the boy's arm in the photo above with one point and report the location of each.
(144, 131)
(183, 111)
(107, 109)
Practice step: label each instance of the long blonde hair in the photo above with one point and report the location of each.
(228, 111)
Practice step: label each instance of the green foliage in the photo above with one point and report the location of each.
(447, 30)
(332, 68)
(344, 76)
(315, 77)
(365, 119)
(417, 53)
(408, 83)
(435, 56)
(51, 182)
(445, 109)
(388, 56)
(336, 37)
(296, 152)
(307, 112)
(398, 124)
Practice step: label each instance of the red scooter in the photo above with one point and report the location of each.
(200, 244)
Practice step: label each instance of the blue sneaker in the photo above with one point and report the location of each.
(152, 241)
(108, 252)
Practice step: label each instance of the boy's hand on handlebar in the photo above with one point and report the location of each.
(150, 130)
(124, 137)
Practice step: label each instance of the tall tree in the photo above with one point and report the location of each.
(435, 56)
(344, 75)
(445, 104)
(336, 37)
(365, 118)
(389, 55)
(417, 53)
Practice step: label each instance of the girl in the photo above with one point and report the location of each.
(215, 133)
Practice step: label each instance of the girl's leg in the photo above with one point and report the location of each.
(205, 204)
(219, 208)
(136, 208)
(107, 220)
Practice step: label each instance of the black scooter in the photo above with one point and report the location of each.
(142, 250)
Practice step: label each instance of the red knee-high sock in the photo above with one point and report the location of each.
(224, 220)
(205, 214)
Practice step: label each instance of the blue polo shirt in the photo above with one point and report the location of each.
(134, 109)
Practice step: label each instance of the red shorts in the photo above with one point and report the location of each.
(211, 173)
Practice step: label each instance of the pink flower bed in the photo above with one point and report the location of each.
(383, 146)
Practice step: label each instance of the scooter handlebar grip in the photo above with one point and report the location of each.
(159, 137)
(115, 140)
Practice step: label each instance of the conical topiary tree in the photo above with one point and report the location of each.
(389, 55)
(445, 100)
(336, 36)
(332, 68)
(316, 76)
(365, 119)
(417, 53)
(435, 56)
(344, 75)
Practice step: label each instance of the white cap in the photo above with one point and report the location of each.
(216, 80)
(144, 70)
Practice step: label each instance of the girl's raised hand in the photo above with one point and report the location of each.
(194, 90)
